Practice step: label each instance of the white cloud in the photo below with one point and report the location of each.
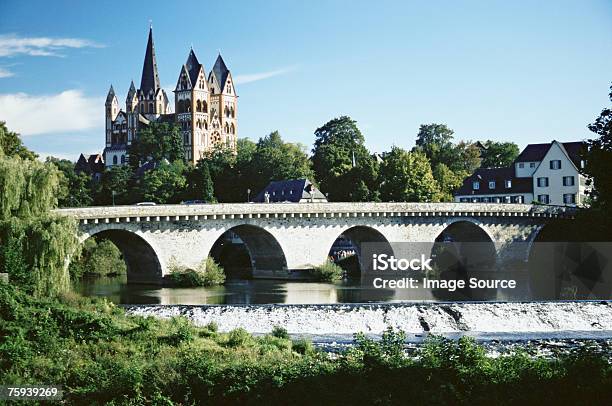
(67, 111)
(12, 44)
(254, 77)
(5, 73)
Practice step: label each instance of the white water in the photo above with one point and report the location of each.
(519, 319)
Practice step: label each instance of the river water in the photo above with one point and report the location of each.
(261, 291)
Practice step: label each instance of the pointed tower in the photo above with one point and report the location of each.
(224, 105)
(131, 108)
(151, 97)
(191, 107)
(111, 109)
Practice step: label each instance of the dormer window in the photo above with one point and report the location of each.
(508, 184)
(492, 184)
(555, 164)
(476, 185)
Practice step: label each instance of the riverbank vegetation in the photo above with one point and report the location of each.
(97, 258)
(207, 273)
(102, 356)
(328, 272)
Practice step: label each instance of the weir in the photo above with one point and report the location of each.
(511, 318)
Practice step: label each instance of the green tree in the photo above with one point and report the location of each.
(75, 188)
(117, 180)
(34, 243)
(275, 159)
(406, 177)
(199, 183)
(342, 164)
(598, 157)
(498, 154)
(164, 184)
(436, 142)
(465, 156)
(157, 141)
(11, 144)
(98, 258)
(448, 181)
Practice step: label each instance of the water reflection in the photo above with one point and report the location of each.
(260, 291)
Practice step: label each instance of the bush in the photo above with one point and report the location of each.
(208, 273)
(101, 258)
(280, 332)
(328, 272)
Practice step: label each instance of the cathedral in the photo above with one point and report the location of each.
(205, 108)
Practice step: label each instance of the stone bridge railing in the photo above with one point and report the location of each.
(135, 213)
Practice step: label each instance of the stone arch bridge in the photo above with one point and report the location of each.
(282, 238)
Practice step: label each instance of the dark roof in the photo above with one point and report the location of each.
(500, 176)
(110, 95)
(536, 152)
(292, 190)
(150, 78)
(148, 166)
(193, 67)
(131, 92)
(116, 147)
(166, 118)
(220, 71)
(93, 164)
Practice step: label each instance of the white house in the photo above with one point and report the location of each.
(545, 173)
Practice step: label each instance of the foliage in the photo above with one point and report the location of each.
(498, 154)
(448, 181)
(598, 159)
(76, 188)
(101, 356)
(164, 184)
(328, 272)
(101, 258)
(406, 177)
(199, 183)
(34, 244)
(343, 166)
(207, 273)
(117, 180)
(157, 141)
(11, 144)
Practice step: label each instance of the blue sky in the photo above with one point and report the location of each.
(523, 71)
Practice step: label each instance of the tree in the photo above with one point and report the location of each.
(200, 184)
(463, 157)
(11, 144)
(448, 181)
(498, 154)
(75, 188)
(436, 142)
(157, 141)
(342, 164)
(406, 177)
(598, 159)
(275, 159)
(164, 184)
(117, 181)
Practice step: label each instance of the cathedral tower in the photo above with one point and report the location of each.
(223, 105)
(111, 109)
(152, 99)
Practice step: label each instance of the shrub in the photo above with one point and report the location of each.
(303, 346)
(101, 258)
(280, 332)
(207, 273)
(328, 272)
(238, 337)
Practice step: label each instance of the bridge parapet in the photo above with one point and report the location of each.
(181, 212)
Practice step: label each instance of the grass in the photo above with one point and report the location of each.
(102, 356)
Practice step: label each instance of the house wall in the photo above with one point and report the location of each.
(555, 189)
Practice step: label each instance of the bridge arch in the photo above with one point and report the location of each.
(142, 260)
(353, 239)
(245, 250)
(470, 242)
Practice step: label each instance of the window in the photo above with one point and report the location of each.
(492, 184)
(542, 182)
(507, 199)
(555, 164)
(115, 160)
(484, 200)
(582, 163)
(568, 181)
(463, 199)
(122, 159)
(476, 185)
(521, 165)
(543, 199)
(532, 164)
(569, 198)
(508, 184)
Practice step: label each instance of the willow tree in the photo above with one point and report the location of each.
(35, 244)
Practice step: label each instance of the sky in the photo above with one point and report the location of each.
(518, 71)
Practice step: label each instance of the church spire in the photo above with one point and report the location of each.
(150, 78)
